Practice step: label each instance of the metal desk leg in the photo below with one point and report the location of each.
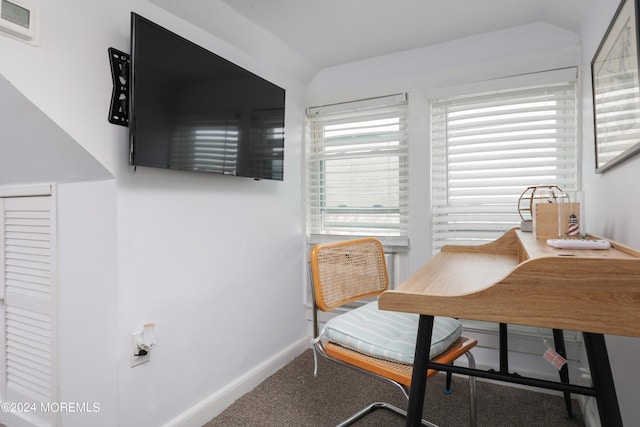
(558, 342)
(419, 375)
(504, 349)
(602, 380)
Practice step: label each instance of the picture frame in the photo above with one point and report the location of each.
(616, 89)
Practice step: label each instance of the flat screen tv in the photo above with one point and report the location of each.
(193, 110)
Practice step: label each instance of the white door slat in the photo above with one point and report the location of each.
(27, 333)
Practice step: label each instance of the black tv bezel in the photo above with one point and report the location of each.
(135, 17)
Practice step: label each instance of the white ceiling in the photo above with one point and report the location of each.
(333, 32)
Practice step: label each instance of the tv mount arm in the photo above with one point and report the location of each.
(119, 109)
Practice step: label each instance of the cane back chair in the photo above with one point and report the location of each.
(352, 270)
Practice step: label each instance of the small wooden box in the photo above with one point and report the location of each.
(546, 219)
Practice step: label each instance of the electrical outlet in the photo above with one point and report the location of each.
(137, 360)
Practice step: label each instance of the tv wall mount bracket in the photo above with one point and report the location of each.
(120, 66)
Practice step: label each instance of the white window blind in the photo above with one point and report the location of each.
(358, 170)
(488, 147)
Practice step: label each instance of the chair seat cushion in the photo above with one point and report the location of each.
(388, 335)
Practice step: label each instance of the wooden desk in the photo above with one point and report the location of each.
(520, 280)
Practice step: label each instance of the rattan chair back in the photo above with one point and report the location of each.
(347, 271)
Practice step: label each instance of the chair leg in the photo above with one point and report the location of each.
(378, 405)
(447, 387)
(472, 391)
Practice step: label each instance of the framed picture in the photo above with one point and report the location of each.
(616, 89)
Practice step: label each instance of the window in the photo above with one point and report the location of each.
(357, 165)
(487, 147)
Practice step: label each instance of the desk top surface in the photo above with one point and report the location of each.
(538, 248)
(520, 280)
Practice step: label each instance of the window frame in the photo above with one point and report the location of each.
(361, 111)
(439, 170)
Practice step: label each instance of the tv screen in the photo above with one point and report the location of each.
(193, 110)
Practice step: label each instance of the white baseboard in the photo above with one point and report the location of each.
(589, 409)
(213, 405)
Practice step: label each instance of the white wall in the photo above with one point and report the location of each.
(23, 156)
(216, 262)
(613, 202)
(87, 300)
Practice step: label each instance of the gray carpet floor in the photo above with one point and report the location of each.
(293, 397)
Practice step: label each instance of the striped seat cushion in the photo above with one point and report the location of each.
(388, 335)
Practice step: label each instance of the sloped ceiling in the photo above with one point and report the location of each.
(333, 32)
(33, 149)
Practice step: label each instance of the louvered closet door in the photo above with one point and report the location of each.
(28, 311)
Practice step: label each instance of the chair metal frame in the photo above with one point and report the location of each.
(324, 350)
